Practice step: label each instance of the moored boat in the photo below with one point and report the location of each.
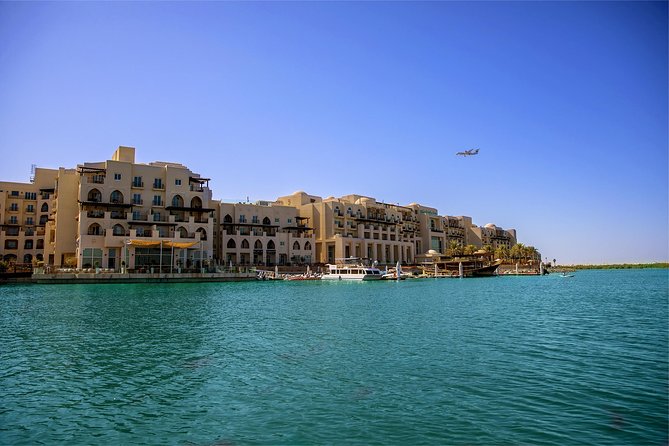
(351, 268)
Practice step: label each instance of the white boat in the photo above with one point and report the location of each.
(351, 269)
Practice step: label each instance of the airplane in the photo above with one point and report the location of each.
(469, 152)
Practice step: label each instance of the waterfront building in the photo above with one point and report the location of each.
(119, 214)
(491, 235)
(143, 216)
(357, 226)
(24, 213)
(264, 233)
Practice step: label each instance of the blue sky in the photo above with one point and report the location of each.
(566, 100)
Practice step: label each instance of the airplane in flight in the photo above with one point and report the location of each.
(469, 152)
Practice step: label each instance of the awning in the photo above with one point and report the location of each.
(154, 244)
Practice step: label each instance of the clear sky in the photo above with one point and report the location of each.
(568, 102)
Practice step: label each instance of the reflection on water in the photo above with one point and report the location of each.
(519, 360)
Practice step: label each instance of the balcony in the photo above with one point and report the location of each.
(95, 214)
(137, 185)
(158, 186)
(116, 215)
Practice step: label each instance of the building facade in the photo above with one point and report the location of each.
(264, 233)
(357, 226)
(24, 213)
(120, 214)
(142, 216)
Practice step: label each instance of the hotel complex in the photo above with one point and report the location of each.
(122, 215)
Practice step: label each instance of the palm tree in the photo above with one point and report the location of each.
(502, 252)
(470, 249)
(516, 251)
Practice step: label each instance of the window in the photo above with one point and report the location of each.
(290, 220)
(245, 244)
(242, 218)
(94, 229)
(156, 216)
(157, 183)
(15, 193)
(95, 196)
(276, 220)
(118, 230)
(137, 182)
(11, 244)
(29, 221)
(117, 176)
(31, 195)
(177, 182)
(136, 215)
(307, 246)
(231, 244)
(14, 207)
(177, 201)
(116, 197)
(43, 219)
(296, 246)
(12, 231)
(157, 201)
(40, 244)
(28, 244)
(136, 199)
(254, 219)
(45, 207)
(13, 220)
(92, 257)
(30, 208)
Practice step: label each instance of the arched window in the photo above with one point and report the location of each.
(231, 244)
(119, 230)
(307, 246)
(245, 244)
(296, 246)
(94, 229)
(116, 197)
(177, 201)
(45, 207)
(227, 219)
(271, 245)
(196, 202)
(203, 233)
(183, 233)
(266, 221)
(257, 245)
(94, 195)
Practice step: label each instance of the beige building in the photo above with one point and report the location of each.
(491, 235)
(121, 214)
(357, 226)
(24, 213)
(142, 216)
(264, 233)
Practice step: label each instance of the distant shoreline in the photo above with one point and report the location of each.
(658, 265)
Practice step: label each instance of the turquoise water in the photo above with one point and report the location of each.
(507, 360)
